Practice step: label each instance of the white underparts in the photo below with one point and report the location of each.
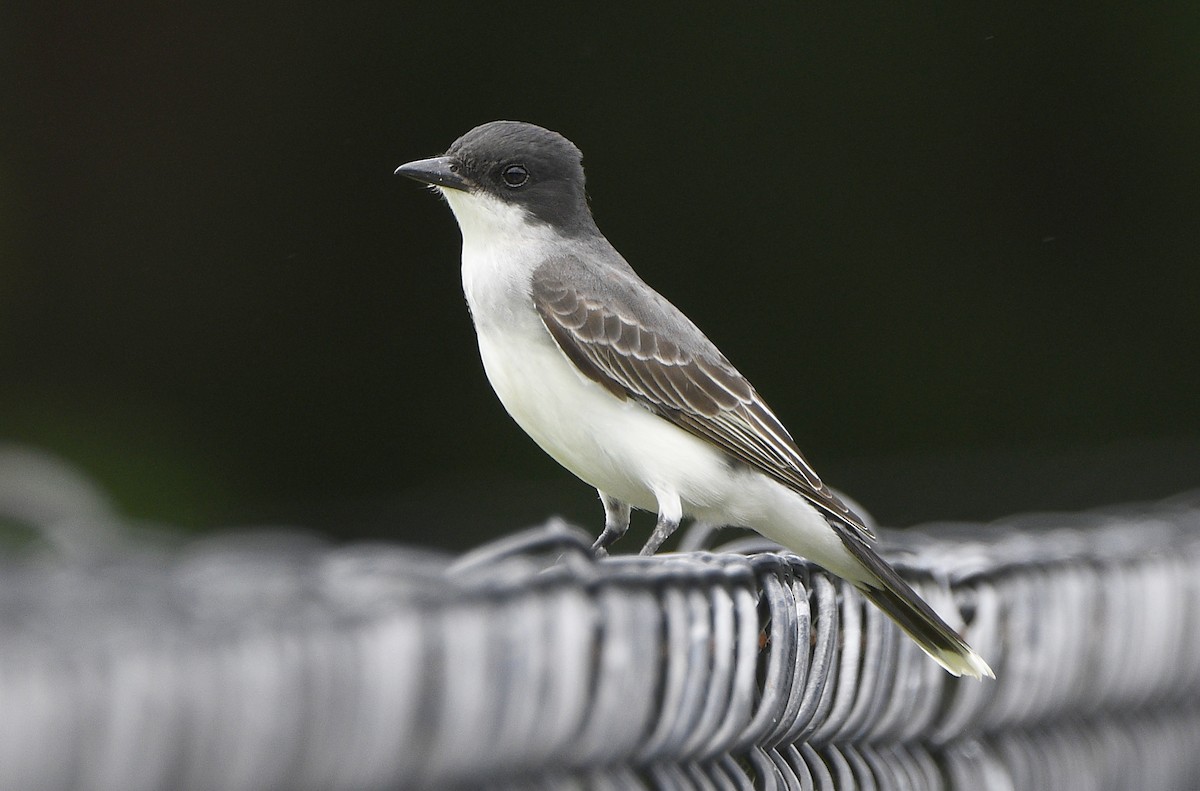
(614, 444)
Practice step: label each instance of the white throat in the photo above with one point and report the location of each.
(502, 245)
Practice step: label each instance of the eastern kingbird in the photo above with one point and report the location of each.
(622, 389)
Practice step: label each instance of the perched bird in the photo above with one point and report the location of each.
(622, 389)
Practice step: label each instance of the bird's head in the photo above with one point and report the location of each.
(508, 171)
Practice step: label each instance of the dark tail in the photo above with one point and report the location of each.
(887, 591)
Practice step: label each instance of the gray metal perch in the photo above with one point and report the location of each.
(277, 661)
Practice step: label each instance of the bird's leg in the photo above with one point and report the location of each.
(616, 523)
(670, 514)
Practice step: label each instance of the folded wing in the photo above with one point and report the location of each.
(614, 342)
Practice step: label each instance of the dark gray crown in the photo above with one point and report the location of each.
(492, 157)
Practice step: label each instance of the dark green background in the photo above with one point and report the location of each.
(956, 250)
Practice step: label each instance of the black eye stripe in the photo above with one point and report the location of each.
(514, 175)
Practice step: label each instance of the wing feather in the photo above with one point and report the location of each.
(695, 388)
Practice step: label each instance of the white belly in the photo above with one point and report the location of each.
(626, 451)
(615, 445)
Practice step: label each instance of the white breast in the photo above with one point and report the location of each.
(614, 444)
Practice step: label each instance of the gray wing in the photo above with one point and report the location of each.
(637, 345)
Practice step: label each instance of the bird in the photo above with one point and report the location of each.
(624, 390)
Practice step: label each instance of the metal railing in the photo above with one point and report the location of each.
(277, 661)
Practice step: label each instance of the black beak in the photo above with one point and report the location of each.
(438, 171)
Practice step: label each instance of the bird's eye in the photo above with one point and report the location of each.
(515, 175)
